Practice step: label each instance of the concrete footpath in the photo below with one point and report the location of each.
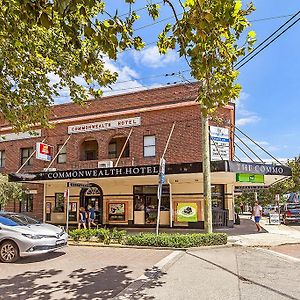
(272, 235)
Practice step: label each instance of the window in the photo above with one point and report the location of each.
(25, 154)
(149, 145)
(217, 195)
(116, 145)
(2, 159)
(62, 156)
(26, 205)
(89, 150)
(59, 202)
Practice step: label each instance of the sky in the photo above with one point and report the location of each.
(268, 109)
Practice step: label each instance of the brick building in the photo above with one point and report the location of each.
(108, 152)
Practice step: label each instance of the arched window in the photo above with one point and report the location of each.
(89, 150)
(116, 145)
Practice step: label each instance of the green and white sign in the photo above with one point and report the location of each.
(255, 178)
(187, 212)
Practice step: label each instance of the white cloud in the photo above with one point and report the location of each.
(151, 57)
(248, 120)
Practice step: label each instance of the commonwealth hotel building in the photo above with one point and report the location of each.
(107, 155)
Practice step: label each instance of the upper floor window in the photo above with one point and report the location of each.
(25, 154)
(89, 150)
(2, 158)
(62, 156)
(149, 145)
(116, 145)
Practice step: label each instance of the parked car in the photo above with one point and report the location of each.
(291, 213)
(22, 236)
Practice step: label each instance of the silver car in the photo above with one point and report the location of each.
(22, 236)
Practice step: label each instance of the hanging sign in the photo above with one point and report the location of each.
(219, 143)
(44, 151)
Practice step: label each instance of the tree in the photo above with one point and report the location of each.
(68, 39)
(208, 34)
(9, 191)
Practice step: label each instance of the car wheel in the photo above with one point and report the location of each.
(9, 252)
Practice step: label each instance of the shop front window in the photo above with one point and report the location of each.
(59, 203)
(26, 205)
(145, 200)
(217, 196)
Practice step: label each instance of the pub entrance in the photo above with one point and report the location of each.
(93, 196)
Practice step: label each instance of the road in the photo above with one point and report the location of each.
(76, 273)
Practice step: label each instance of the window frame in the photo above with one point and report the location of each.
(2, 158)
(61, 208)
(149, 146)
(28, 201)
(63, 153)
(24, 158)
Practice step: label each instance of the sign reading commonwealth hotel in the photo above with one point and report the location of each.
(106, 125)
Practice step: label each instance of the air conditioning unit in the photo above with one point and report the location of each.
(49, 170)
(105, 164)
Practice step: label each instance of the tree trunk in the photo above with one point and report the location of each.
(206, 175)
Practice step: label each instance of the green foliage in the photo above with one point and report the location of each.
(208, 34)
(9, 190)
(62, 38)
(176, 240)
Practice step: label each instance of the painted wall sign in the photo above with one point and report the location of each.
(219, 143)
(20, 136)
(106, 125)
(44, 151)
(187, 212)
(255, 178)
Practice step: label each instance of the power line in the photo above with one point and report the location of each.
(268, 38)
(142, 8)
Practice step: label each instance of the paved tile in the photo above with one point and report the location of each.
(291, 250)
(76, 273)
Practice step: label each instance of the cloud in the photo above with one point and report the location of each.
(248, 120)
(151, 57)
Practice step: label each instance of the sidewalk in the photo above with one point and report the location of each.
(273, 235)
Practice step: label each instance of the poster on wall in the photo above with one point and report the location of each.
(187, 212)
(219, 143)
(116, 211)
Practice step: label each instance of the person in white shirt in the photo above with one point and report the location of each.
(257, 213)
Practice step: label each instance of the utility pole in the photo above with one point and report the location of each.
(206, 175)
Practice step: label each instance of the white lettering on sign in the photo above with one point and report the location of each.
(219, 143)
(131, 122)
(20, 136)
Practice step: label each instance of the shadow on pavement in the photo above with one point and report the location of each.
(104, 283)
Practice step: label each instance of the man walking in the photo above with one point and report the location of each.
(257, 213)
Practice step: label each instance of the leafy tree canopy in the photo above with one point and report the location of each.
(9, 190)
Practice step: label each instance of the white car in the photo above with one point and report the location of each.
(22, 236)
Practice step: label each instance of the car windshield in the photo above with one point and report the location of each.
(17, 220)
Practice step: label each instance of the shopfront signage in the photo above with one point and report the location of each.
(106, 125)
(20, 136)
(44, 151)
(219, 143)
(240, 167)
(250, 188)
(78, 184)
(255, 178)
(187, 212)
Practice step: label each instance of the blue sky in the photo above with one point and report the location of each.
(268, 109)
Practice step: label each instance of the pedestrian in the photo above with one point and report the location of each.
(82, 218)
(91, 216)
(242, 208)
(257, 213)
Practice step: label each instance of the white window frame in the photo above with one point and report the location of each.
(149, 146)
(62, 154)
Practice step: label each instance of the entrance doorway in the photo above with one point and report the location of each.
(93, 196)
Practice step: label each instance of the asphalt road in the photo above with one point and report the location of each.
(76, 273)
(233, 273)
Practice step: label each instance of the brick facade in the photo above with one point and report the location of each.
(158, 108)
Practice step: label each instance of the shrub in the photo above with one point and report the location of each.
(118, 235)
(103, 235)
(176, 240)
(76, 234)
